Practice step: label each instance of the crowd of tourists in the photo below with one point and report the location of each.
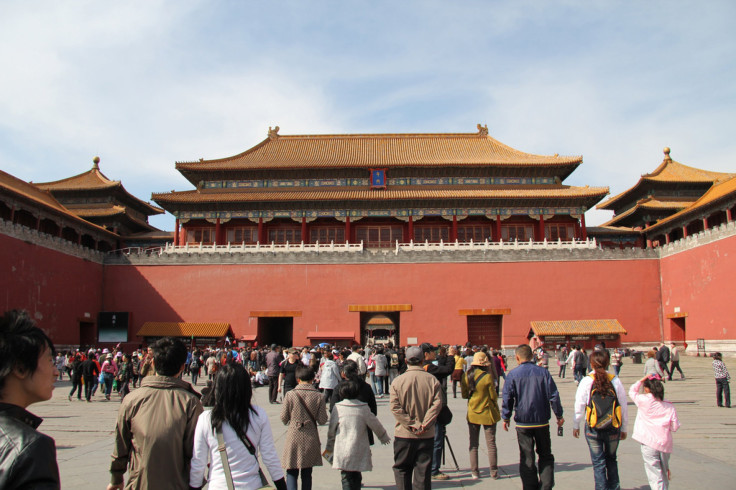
(168, 435)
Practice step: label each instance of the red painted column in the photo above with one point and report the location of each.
(498, 227)
(410, 233)
(540, 236)
(582, 227)
(218, 231)
(705, 224)
(176, 232)
(261, 237)
(305, 237)
(684, 232)
(12, 214)
(729, 217)
(454, 228)
(667, 238)
(347, 229)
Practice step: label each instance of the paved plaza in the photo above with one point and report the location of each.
(703, 454)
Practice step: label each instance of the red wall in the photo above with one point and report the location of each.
(625, 290)
(55, 288)
(702, 283)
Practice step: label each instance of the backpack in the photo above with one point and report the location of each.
(394, 360)
(195, 362)
(603, 410)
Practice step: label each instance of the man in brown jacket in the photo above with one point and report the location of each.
(155, 427)
(415, 402)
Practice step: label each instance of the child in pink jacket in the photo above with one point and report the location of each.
(656, 420)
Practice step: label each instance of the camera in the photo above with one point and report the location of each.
(560, 431)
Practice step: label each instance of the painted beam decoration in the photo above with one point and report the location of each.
(416, 213)
(365, 182)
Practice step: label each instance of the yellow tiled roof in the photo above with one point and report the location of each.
(376, 150)
(184, 329)
(92, 179)
(42, 198)
(577, 327)
(718, 191)
(352, 194)
(672, 172)
(651, 203)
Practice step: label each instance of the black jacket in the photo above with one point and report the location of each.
(27, 457)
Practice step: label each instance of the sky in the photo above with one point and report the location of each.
(144, 84)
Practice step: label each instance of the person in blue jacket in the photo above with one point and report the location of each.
(531, 392)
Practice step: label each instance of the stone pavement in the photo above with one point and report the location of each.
(703, 454)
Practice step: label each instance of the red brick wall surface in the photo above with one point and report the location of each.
(627, 290)
(55, 288)
(701, 281)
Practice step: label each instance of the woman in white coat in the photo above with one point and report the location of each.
(348, 446)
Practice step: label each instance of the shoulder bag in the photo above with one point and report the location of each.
(226, 465)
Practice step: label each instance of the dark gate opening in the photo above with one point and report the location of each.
(87, 335)
(677, 330)
(485, 330)
(276, 330)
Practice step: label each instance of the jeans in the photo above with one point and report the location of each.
(531, 478)
(413, 457)
(378, 384)
(578, 373)
(195, 375)
(563, 367)
(656, 465)
(723, 390)
(474, 432)
(603, 445)
(438, 446)
(392, 373)
(351, 480)
(616, 369)
(108, 384)
(292, 477)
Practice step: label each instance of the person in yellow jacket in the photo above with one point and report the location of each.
(479, 388)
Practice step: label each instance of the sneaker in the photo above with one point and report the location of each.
(70, 398)
(440, 476)
(475, 475)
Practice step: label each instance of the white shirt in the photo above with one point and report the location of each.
(582, 396)
(243, 465)
(355, 356)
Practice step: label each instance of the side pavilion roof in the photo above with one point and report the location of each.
(95, 180)
(668, 172)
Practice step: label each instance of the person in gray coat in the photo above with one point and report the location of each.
(347, 437)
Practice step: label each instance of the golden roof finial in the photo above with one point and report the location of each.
(667, 153)
(96, 162)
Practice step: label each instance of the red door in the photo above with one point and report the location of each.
(485, 330)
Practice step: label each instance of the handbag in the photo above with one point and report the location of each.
(226, 464)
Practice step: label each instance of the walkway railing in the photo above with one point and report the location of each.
(266, 248)
(500, 245)
(332, 247)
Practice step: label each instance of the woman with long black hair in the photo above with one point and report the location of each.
(604, 438)
(246, 432)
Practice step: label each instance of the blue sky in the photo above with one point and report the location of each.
(145, 84)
